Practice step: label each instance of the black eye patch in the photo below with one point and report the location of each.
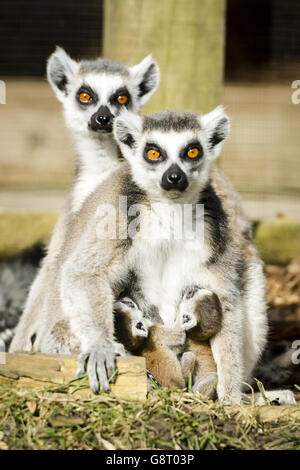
(85, 89)
(121, 92)
(150, 156)
(193, 152)
(218, 134)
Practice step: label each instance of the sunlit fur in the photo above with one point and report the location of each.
(96, 153)
(88, 276)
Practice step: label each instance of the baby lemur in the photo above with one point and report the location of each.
(170, 159)
(199, 319)
(92, 93)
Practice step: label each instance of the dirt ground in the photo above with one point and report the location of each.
(52, 419)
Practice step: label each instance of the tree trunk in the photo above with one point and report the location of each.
(186, 37)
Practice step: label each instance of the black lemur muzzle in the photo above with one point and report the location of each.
(102, 120)
(174, 179)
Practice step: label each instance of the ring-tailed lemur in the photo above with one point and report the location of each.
(92, 93)
(169, 159)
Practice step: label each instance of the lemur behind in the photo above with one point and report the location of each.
(170, 159)
(92, 93)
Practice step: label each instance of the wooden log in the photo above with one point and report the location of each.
(278, 240)
(36, 370)
(185, 37)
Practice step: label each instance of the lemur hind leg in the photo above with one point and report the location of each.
(200, 314)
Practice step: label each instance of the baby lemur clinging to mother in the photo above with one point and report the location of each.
(199, 319)
(92, 93)
(170, 159)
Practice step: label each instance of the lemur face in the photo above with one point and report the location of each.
(94, 92)
(170, 153)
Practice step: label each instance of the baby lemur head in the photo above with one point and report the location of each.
(94, 91)
(170, 153)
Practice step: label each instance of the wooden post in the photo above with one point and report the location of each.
(186, 37)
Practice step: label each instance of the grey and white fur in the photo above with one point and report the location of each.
(92, 273)
(97, 153)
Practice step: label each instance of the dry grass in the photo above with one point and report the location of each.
(54, 419)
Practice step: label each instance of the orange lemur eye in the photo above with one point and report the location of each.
(193, 153)
(84, 97)
(122, 99)
(153, 154)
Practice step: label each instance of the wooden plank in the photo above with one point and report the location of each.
(36, 370)
(261, 155)
(265, 414)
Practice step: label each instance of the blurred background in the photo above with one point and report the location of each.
(243, 54)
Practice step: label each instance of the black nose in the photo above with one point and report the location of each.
(101, 120)
(174, 178)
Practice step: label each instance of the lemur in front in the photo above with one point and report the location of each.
(92, 93)
(170, 159)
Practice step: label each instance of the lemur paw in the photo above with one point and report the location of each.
(119, 349)
(99, 363)
(207, 385)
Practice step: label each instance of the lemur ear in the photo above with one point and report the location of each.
(216, 126)
(61, 70)
(146, 77)
(127, 128)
